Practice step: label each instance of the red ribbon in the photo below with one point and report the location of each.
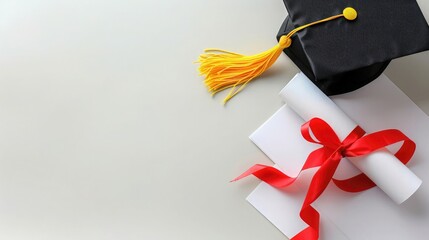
(327, 158)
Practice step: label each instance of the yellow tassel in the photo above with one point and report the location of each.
(223, 69)
(227, 69)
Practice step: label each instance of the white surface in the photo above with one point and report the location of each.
(382, 167)
(367, 215)
(108, 133)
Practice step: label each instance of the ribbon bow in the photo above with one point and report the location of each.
(327, 158)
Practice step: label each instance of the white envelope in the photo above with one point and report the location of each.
(367, 215)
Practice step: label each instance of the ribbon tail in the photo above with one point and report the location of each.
(309, 233)
(277, 178)
(318, 184)
(268, 174)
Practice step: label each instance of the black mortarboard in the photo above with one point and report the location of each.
(341, 56)
(339, 45)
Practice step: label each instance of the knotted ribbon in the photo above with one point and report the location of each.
(327, 157)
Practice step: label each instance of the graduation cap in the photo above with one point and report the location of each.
(339, 45)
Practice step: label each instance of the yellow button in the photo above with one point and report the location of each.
(350, 13)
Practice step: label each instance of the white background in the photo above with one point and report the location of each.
(107, 132)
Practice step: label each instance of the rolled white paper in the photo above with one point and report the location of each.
(382, 167)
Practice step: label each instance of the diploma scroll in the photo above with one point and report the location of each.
(382, 167)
